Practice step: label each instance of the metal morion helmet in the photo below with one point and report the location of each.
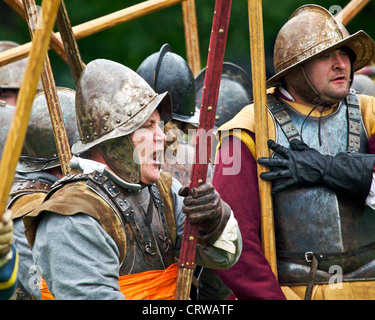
(11, 75)
(113, 101)
(236, 91)
(312, 31)
(167, 71)
(6, 116)
(39, 149)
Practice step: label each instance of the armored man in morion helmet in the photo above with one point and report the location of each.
(114, 231)
(321, 168)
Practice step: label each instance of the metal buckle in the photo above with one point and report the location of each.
(307, 254)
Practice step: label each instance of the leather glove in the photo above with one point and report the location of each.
(6, 233)
(205, 207)
(301, 165)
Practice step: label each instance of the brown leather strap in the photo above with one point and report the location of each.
(311, 279)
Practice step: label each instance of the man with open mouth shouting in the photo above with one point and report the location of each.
(114, 231)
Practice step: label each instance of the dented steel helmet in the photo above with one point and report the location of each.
(113, 101)
(6, 116)
(11, 74)
(167, 71)
(236, 91)
(310, 32)
(39, 150)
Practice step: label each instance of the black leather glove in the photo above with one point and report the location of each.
(205, 207)
(303, 166)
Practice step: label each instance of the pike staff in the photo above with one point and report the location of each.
(210, 93)
(261, 128)
(16, 135)
(53, 103)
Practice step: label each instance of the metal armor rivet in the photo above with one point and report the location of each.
(141, 104)
(132, 211)
(221, 31)
(118, 120)
(150, 95)
(191, 238)
(106, 116)
(129, 113)
(105, 128)
(87, 137)
(209, 108)
(200, 181)
(91, 124)
(187, 263)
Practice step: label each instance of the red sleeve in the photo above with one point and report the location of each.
(251, 277)
(371, 145)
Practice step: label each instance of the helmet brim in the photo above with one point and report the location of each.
(360, 42)
(161, 101)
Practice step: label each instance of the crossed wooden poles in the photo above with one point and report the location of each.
(38, 65)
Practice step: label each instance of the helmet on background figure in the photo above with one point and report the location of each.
(236, 91)
(167, 71)
(6, 116)
(11, 74)
(39, 150)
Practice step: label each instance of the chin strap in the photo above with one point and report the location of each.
(88, 166)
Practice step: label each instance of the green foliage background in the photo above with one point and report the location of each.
(130, 43)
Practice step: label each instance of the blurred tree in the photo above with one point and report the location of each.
(130, 43)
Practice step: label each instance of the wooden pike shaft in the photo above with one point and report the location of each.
(56, 44)
(17, 130)
(70, 44)
(210, 95)
(261, 127)
(53, 103)
(351, 10)
(94, 26)
(191, 36)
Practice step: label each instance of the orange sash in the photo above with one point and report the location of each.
(149, 285)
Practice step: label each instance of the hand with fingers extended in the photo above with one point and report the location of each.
(204, 206)
(304, 166)
(6, 233)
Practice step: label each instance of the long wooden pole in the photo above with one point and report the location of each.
(17, 131)
(53, 103)
(55, 44)
(191, 36)
(258, 67)
(70, 44)
(351, 10)
(96, 25)
(210, 94)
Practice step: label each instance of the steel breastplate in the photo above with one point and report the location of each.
(318, 219)
(148, 245)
